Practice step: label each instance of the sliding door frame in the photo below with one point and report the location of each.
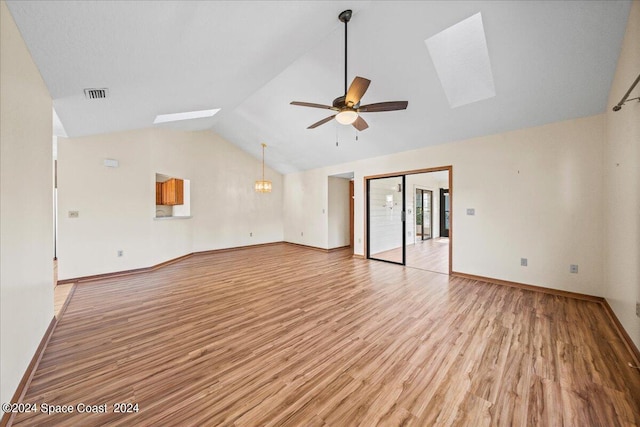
(403, 218)
(366, 179)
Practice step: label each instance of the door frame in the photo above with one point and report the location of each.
(448, 168)
(351, 214)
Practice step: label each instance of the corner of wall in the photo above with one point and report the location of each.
(26, 206)
(622, 186)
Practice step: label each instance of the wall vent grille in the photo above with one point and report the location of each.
(96, 93)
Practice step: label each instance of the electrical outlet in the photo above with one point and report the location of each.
(250, 234)
(471, 211)
(74, 214)
(638, 309)
(523, 262)
(573, 268)
(120, 252)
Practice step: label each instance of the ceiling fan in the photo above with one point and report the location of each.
(348, 106)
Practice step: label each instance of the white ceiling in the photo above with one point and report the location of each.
(551, 61)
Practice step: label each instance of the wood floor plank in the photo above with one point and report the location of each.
(545, 403)
(286, 336)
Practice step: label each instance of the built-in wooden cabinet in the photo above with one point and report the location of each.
(170, 192)
(173, 197)
(158, 193)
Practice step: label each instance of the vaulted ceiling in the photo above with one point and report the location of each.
(550, 60)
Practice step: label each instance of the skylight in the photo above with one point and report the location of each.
(461, 58)
(163, 118)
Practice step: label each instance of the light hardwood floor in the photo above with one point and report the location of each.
(283, 335)
(431, 255)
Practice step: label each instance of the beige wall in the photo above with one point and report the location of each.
(26, 211)
(537, 194)
(622, 186)
(338, 212)
(116, 205)
(305, 205)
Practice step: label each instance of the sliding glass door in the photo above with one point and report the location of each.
(386, 219)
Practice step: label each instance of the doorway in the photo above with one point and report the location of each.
(444, 212)
(409, 218)
(340, 211)
(424, 217)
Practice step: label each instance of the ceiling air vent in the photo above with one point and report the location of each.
(96, 93)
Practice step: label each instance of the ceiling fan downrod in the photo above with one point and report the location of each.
(345, 17)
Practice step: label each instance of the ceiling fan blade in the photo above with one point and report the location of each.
(384, 106)
(311, 104)
(357, 89)
(321, 122)
(360, 124)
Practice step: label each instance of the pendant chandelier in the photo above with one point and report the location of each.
(263, 186)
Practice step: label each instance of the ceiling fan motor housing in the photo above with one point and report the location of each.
(345, 16)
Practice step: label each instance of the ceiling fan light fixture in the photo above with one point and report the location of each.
(346, 117)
